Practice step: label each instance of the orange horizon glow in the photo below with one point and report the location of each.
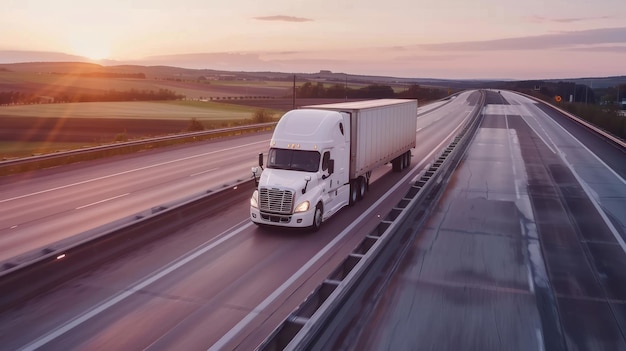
(445, 39)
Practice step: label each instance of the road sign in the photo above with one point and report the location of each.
(557, 98)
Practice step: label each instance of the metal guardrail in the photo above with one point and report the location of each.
(55, 159)
(24, 280)
(319, 322)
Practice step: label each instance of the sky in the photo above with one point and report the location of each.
(456, 39)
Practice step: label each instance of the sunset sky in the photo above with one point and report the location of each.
(404, 38)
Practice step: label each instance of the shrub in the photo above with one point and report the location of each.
(262, 116)
(195, 126)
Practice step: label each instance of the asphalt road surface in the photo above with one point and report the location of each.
(222, 283)
(525, 249)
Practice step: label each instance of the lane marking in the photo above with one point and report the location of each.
(185, 259)
(595, 203)
(418, 129)
(149, 279)
(131, 171)
(516, 181)
(583, 145)
(13, 227)
(101, 201)
(539, 339)
(243, 323)
(588, 191)
(203, 172)
(539, 135)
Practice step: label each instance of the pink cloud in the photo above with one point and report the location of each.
(283, 18)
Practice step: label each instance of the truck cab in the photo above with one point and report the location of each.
(306, 178)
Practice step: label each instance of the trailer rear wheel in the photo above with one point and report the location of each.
(396, 164)
(354, 192)
(362, 187)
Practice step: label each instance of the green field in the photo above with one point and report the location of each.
(173, 110)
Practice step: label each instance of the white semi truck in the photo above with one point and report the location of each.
(321, 158)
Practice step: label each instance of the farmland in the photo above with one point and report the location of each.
(43, 128)
(213, 99)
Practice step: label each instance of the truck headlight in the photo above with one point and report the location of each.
(302, 207)
(254, 200)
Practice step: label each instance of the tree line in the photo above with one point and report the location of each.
(17, 97)
(373, 91)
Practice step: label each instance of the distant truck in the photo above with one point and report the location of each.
(321, 158)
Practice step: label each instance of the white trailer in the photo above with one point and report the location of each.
(321, 158)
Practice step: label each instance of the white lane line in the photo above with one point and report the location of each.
(595, 203)
(131, 171)
(101, 201)
(539, 135)
(183, 260)
(418, 129)
(539, 339)
(516, 180)
(203, 172)
(13, 227)
(583, 145)
(232, 333)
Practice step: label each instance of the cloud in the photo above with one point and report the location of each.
(562, 40)
(541, 19)
(282, 18)
(612, 49)
(430, 58)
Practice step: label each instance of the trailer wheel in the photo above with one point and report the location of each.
(408, 159)
(405, 160)
(354, 192)
(396, 164)
(362, 187)
(317, 217)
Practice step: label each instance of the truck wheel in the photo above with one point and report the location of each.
(408, 159)
(396, 164)
(317, 218)
(354, 192)
(362, 187)
(405, 160)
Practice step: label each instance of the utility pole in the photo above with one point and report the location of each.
(345, 88)
(294, 92)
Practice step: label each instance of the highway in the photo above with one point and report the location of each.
(60, 203)
(221, 283)
(66, 204)
(524, 250)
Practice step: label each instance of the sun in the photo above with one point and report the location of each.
(95, 50)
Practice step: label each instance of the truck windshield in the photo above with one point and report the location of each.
(295, 160)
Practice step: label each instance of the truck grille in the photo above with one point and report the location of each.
(275, 200)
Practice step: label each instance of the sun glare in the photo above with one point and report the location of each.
(91, 49)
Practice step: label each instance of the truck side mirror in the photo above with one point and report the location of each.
(331, 167)
(261, 160)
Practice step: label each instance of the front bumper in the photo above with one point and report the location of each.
(296, 220)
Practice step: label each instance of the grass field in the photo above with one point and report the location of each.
(37, 129)
(171, 110)
(48, 84)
